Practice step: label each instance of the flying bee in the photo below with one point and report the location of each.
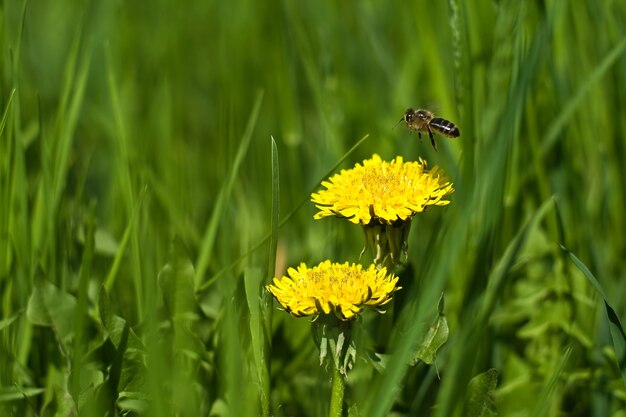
(425, 121)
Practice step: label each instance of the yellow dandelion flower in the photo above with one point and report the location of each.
(382, 191)
(344, 289)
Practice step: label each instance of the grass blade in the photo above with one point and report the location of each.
(568, 111)
(5, 186)
(542, 406)
(275, 212)
(124, 165)
(121, 250)
(253, 280)
(618, 336)
(206, 247)
(80, 313)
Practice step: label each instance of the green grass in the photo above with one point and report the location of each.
(156, 164)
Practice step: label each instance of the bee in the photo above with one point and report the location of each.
(425, 121)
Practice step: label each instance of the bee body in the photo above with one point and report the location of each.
(424, 121)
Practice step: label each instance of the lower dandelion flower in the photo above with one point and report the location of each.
(341, 289)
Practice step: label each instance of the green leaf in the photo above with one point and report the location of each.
(176, 282)
(113, 324)
(133, 401)
(334, 340)
(101, 400)
(220, 409)
(479, 402)
(435, 338)
(51, 307)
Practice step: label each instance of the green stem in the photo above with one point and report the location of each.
(336, 395)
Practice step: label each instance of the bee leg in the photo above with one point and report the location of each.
(419, 135)
(432, 139)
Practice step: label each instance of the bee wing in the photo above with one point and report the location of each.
(434, 107)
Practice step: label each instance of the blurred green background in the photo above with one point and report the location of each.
(136, 202)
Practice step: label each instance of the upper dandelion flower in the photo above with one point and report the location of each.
(383, 191)
(344, 289)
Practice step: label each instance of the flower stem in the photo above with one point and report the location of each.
(336, 395)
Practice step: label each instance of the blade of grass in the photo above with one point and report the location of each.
(275, 213)
(568, 111)
(5, 114)
(208, 241)
(5, 182)
(80, 346)
(121, 250)
(4, 323)
(19, 223)
(618, 336)
(259, 301)
(253, 280)
(69, 110)
(39, 233)
(542, 406)
(123, 168)
(18, 44)
(16, 393)
(234, 369)
(463, 73)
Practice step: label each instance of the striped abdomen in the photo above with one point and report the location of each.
(444, 127)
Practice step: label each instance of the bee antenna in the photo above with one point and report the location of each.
(394, 126)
